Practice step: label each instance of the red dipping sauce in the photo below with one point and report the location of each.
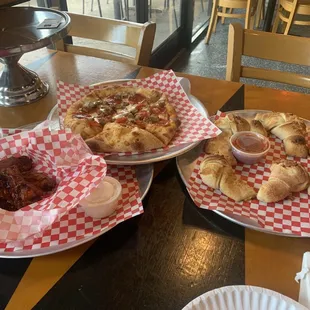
(250, 143)
(249, 147)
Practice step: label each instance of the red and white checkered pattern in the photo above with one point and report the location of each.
(194, 127)
(288, 216)
(61, 155)
(76, 225)
(10, 131)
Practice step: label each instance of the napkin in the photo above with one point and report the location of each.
(304, 278)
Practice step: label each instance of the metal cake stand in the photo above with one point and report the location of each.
(24, 29)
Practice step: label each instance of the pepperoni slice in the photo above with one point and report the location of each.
(140, 106)
(136, 98)
(140, 123)
(121, 120)
(156, 111)
(142, 114)
(94, 124)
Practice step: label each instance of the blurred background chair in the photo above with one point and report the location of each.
(260, 12)
(166, 7)
(224, 8)
(92, 6)
(270, 46)
(115, 36)
(289, 12)
(119, 11)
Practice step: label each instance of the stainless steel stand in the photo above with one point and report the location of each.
(18, 85)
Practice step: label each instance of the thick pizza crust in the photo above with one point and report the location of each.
(117, 138)
(163, 133)
(81, 127)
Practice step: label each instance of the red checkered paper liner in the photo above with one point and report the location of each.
(4, 132)
(64, 157)
(288, 216)
(76, 225)
(194, 127)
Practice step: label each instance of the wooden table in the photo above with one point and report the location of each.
(170, 254)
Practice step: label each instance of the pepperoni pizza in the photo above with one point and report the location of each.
(123, 119)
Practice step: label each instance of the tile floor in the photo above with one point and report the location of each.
(210, 60)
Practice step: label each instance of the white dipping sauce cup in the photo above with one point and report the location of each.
(103, 200)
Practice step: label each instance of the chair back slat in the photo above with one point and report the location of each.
(94, 52)
(266, 45)
(275, 75)
(104, 29)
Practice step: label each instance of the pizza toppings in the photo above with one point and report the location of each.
(105, 110)
(121, 120)
(154, 119)
(125, 108)
(159, 104)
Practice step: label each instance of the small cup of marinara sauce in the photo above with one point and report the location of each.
(249, 147)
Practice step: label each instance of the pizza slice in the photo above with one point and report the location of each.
(118, 138)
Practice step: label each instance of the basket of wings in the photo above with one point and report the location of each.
(43, 175)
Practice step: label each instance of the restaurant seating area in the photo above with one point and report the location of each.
(210, 60)
(155, 154)
(291, 13)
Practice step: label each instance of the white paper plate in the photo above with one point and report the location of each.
(145, 158)
(243, 297)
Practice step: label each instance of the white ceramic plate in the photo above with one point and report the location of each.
(145, 158)
(186, 163)
(243, 297)
(144, 175)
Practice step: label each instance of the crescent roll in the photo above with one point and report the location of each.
(233, 123)
(293, 135)
(216, 173)
(286, 177)
(273, 119)
(257, 126)
(289, 128)
(220, 146)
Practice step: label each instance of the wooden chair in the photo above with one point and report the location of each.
(260, 12)
(288, 12)
(270, 46)
(248, 5)
(117, 33)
